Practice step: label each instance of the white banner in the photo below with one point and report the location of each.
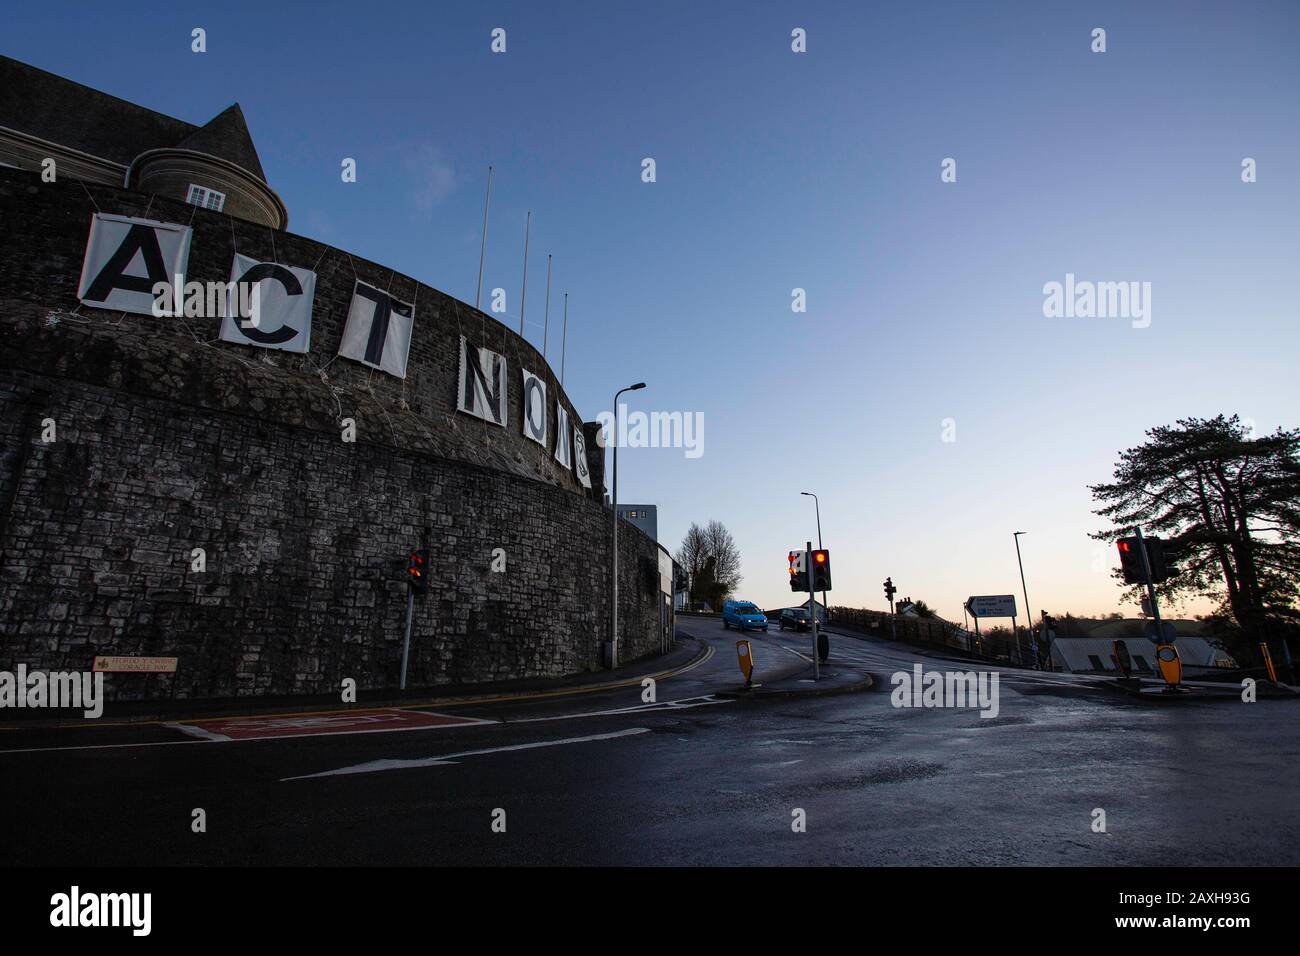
(580, 457)
(534, 416)
(282, 310)
(562, 436)
(125, 258)
(378, 330)
(482, 383)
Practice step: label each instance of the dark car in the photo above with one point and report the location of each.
(795, 617)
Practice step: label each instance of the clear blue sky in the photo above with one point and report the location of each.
(819, 171)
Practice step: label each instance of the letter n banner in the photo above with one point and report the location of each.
(481, 391)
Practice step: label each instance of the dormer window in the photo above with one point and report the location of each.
(206, 198)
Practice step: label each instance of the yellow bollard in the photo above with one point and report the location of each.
(1268, 662)
(1171, 665)
(746, 655)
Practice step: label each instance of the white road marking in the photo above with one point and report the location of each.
(376, 766)
(199, 732)
(685, 703)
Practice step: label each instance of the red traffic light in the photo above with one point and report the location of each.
(415, 570)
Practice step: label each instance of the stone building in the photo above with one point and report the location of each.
(101, 139)
(172, 488)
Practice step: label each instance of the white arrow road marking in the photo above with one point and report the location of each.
(376, 766)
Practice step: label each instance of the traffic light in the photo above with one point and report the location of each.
(798, 573)
(821, 570)
(1130, 561)
(417, 571)
(890, 590)
(1163, 556)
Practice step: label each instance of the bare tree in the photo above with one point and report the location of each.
(692, 555)
(712, 560)
(726, 558)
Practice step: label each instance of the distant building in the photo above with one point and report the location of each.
(99, 138)
(1200, 653)
(645, 517)
(820, 612)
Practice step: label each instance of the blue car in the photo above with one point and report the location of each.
(744, 615)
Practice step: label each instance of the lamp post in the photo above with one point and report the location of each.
(613, 600)
(1029, 616)
(818, 506)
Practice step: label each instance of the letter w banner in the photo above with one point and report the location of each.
(282, 303)
(534, 408)
(378, 330)
(125, 258)
(482, 388)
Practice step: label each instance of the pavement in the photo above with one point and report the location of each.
(614, 775)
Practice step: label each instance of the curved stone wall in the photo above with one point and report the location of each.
(169, 440)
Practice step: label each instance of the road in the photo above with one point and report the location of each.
(691, 779)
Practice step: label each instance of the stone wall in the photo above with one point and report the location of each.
(167, 440)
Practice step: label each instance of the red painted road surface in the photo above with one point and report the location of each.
(305, 725)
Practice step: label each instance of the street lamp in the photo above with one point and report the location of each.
(1029, 615)
(818, 506)
(613, 601)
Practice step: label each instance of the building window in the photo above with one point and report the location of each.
(206, 198)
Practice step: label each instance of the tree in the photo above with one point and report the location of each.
(712, 560)
(1231, 503)
(923, 610)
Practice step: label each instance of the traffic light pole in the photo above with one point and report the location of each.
(406, 642)
(1151, 588)
(812, 609)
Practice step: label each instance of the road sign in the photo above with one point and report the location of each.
(992, 605)
(141, 665)
(1165, 634)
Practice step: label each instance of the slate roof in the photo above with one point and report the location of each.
(64, 112)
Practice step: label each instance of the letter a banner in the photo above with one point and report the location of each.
(378, 330)
(125, 258)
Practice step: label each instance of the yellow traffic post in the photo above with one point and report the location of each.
(1171, 665)
(746, 655)
(1268, 662)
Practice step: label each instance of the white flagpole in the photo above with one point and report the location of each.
(564, 339)
(546, 322)
(482, 249)
(527, 222)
